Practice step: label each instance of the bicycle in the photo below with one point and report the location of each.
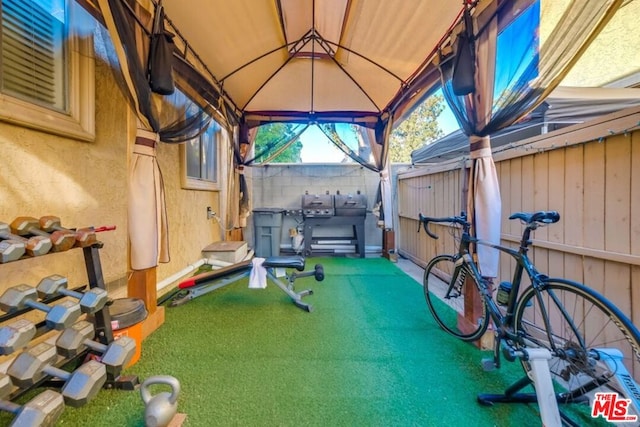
(593, 345)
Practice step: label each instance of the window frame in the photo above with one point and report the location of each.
(79, 121)
(192, 183)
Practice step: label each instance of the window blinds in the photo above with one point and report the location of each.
(33, 53)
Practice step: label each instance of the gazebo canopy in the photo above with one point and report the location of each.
(360, 61)
(324, 60)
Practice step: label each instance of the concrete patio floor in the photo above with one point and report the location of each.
(410, 268)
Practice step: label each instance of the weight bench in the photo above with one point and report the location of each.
(204, 283)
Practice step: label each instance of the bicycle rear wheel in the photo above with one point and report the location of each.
(445, 288)
(594, 345)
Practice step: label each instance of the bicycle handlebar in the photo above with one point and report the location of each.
(532, 220)
(425, 220)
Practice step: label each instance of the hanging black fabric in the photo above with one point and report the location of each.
(160, 65)
(464, 66)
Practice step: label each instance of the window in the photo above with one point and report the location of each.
(47, 68)
(200, 160)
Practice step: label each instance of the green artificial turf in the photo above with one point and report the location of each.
(368, 355)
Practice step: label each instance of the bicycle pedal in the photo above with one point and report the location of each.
(488, 364)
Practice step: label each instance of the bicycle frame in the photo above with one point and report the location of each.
(523, 265)
(503, 322)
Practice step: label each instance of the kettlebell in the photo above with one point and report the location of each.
(160, 409)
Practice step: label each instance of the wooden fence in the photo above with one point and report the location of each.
(590, 173)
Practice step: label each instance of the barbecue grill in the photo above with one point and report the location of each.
(333, 210)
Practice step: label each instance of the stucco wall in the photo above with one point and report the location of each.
(189, 229)
(613, 54)
(85, 183)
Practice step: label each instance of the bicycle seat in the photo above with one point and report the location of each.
(544, 217)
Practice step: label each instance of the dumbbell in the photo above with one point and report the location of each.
(58, 316)
(43, 410)
(84, 236)
(34, 364)
(34, 245)
(61, 240)
(16, 335)
(11, 250)
(73, 340)
(91, 301)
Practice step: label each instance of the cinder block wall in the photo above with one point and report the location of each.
(282, 186)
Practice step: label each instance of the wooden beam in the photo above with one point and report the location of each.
(153, 322)
(142, 284)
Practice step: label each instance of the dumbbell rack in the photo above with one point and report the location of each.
(104, 332)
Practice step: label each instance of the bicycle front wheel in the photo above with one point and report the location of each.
(594, 345)
(445, 288)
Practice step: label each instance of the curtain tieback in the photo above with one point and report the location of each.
(145, 141)
(147, 138)
(480, 146)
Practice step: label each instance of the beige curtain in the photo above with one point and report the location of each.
(147, 214)
(238, 196)
(484, 202)
(380, 156)
(147, 219)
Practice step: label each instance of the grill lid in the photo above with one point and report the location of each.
(351, 204)
(318, 205)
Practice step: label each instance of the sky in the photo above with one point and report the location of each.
(316, 148)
